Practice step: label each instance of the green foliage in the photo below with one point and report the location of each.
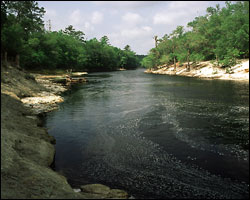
(149, 61)
(164, 59)
(11, 38)
(127, 48)
(196, 57)
(221, 35)
(27, 14)
(3, 13)
(79, 35)
(230, 58)
(20, 20)
(22, 32)
(105, 40)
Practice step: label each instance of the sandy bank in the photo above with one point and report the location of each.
(205, 69)
(27, 151)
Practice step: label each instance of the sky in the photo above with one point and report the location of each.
(133, 23)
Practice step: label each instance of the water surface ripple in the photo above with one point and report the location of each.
(155, 136)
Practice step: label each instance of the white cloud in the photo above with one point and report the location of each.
(114, 12)
(82, 22)
(130, 33)
(168, 18)
(187, 5)
(127, 4)
(161, 18)
(97, 17)
(75, 17)
(50, 13)
(124, 22)
(147, 28)
(137, 38)
(132, 18)
(136, 33)
(53, 16)
(88, 26)
(179, 12)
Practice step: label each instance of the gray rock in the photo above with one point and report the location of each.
(103, 191)
(26, 154)
(96, 189)
(77, 190)
(26, 148)
(116, 193)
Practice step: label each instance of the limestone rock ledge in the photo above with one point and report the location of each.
(45, 101)
(27, 151)
(26, 154)
(103, 191)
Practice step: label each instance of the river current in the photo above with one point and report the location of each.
(155, 136)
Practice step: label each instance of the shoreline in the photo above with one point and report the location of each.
(206, 70)
(27, 150)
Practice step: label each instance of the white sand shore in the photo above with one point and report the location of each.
(206, 70)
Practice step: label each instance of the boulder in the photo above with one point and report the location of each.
(96, 189)
(103, 191)
(119, 194)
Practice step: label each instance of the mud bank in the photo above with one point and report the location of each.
(27, 151)
(205, 69)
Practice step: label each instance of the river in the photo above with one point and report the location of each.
(155, 136)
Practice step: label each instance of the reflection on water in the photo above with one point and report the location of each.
(156, 136)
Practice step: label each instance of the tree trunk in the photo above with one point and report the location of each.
(217, 62)
(174, 64)
(17, 60)
(5, 57)
(188, 68)
(156, 41)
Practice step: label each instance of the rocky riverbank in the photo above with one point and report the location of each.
(206, 70)
(27, 151)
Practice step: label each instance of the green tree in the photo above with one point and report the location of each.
(20, 20)
(176, 35)
(105, 40)
(11, 39)
(22, 32)
(79, 35)
(28, 15)
(222, 34)
(127, 48)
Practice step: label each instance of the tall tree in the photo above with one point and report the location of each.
(28, 15)
(21, 19)
(175, 36)
(221, 34)
(127, 48)
(105, 40)
(79, 35)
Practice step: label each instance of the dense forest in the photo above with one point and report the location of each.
(222, 36)
(24, 38)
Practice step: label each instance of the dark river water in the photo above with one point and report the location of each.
(155, 136)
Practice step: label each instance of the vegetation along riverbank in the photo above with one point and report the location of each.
(206, 69)
(27, 150)
(215, 45)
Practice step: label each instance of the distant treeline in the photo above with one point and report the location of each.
(222, 35)
(23, 35)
